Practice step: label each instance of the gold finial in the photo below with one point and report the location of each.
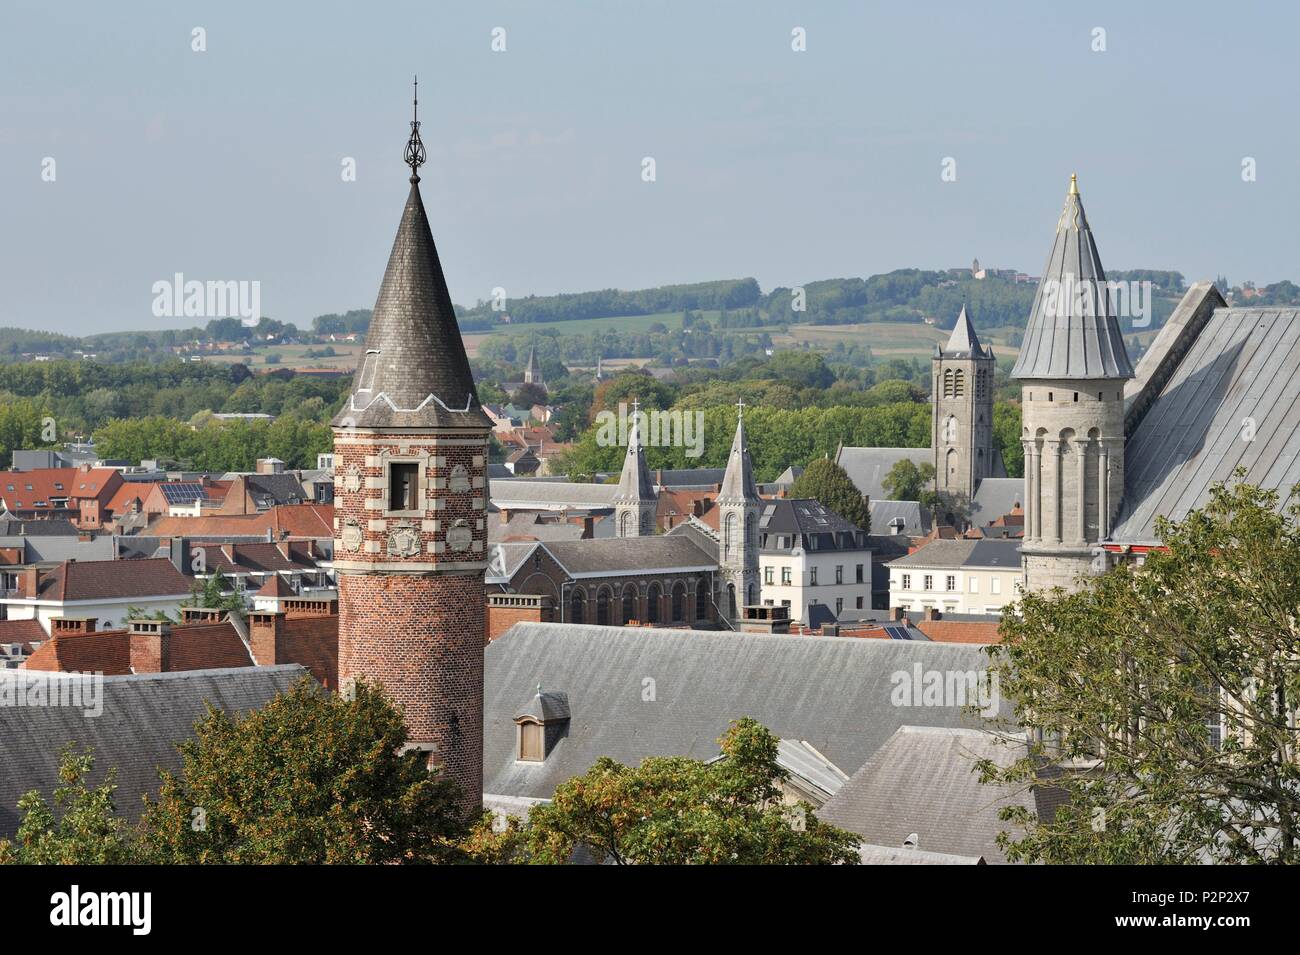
(1074, 184)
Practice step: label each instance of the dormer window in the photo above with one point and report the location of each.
(540, 725)
(366, 380)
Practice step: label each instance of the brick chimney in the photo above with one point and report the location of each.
(59, 625)
(151, 645)
(265, 628)
(932, 613)
(307, 607)
(898, 613)
(193, 615)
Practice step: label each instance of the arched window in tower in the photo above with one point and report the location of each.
(751, 536)
(959, 384)
(950, 430)
(950, 475)
(702, 598)
(625, 525)
(730, 530)
(947, 383)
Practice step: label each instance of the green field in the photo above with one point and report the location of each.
(618, 323)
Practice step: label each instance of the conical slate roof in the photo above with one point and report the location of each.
(533, 370)
(1073, 331)
(414, 373)
(738, 480)
(963, 341)
(634, 484)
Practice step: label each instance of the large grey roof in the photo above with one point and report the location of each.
(630, 555)
(807, 517)
(541, 494)
(923, 781)
(1233, 400)
(867, 467)
(689, 477)
(414, 364)
(1073, 335)
(836, 693)
(143, 719)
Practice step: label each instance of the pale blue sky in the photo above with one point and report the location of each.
(785, 166)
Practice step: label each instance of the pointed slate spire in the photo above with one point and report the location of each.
(414, 372)
(738, 480)
(1073, 331)
(634, 484)
(532, 370)
(963, 341)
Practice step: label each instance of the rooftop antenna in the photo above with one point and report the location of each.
(415, 154)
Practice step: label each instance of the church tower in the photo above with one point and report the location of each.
(962, 427)
(635, 504)
(410, 453)
(738, 507)
(533, 370)
(1072, 368)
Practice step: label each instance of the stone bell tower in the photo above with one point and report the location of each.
(410, 457)
(962, 425)
(1072, 368)
(739, 505)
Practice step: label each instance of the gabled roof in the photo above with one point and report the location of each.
(413, 370)
(923, 780)
(143, 719)
(807, 517)
(25, 489)
(192, 646)
(525, 493)
(112, 579)
(618, 556)
(314, 521)
(1073, 331)
(275, 586)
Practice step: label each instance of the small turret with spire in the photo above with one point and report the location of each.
(738, 508)
(635, 503)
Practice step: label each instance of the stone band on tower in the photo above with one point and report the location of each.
(1072, 368)
(410, 457)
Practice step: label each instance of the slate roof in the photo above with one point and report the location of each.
(143, 719)
(689, 477)
(738, 482)
(705, 537)
(620, 556)
(539, 493)
(634, 484)
(963, 342)
(996, 497)
(268, 490)
(545, 707)
(963, 552)
(110, 579)
(1073, 335)
(51, 527)
(914, 520)
(868, 467)
(834, 692)
(414, 371)
(805, 519)
(922, 781)
(1241, 369)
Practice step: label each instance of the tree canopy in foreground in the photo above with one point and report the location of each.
(1168, 692)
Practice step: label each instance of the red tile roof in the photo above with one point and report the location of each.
(101, 579)
(23, 489)
(285, 521)
(25, 632)
(206, 646)
(960, 631)
(275, 586)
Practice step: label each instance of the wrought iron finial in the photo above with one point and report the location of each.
(740, 410)
(415, 154)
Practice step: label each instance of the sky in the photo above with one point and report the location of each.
(227, 163)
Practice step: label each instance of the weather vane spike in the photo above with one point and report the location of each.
(415, 154)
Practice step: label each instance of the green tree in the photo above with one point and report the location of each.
(85, 830)
(829, 483)
(309, 778)
(211, 594)
(1127, 677)
(909, 481)
(671, 810)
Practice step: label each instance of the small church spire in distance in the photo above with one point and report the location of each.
(415, 154)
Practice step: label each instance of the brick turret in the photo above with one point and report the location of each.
(410, 458)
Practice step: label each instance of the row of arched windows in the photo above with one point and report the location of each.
(614, 607)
